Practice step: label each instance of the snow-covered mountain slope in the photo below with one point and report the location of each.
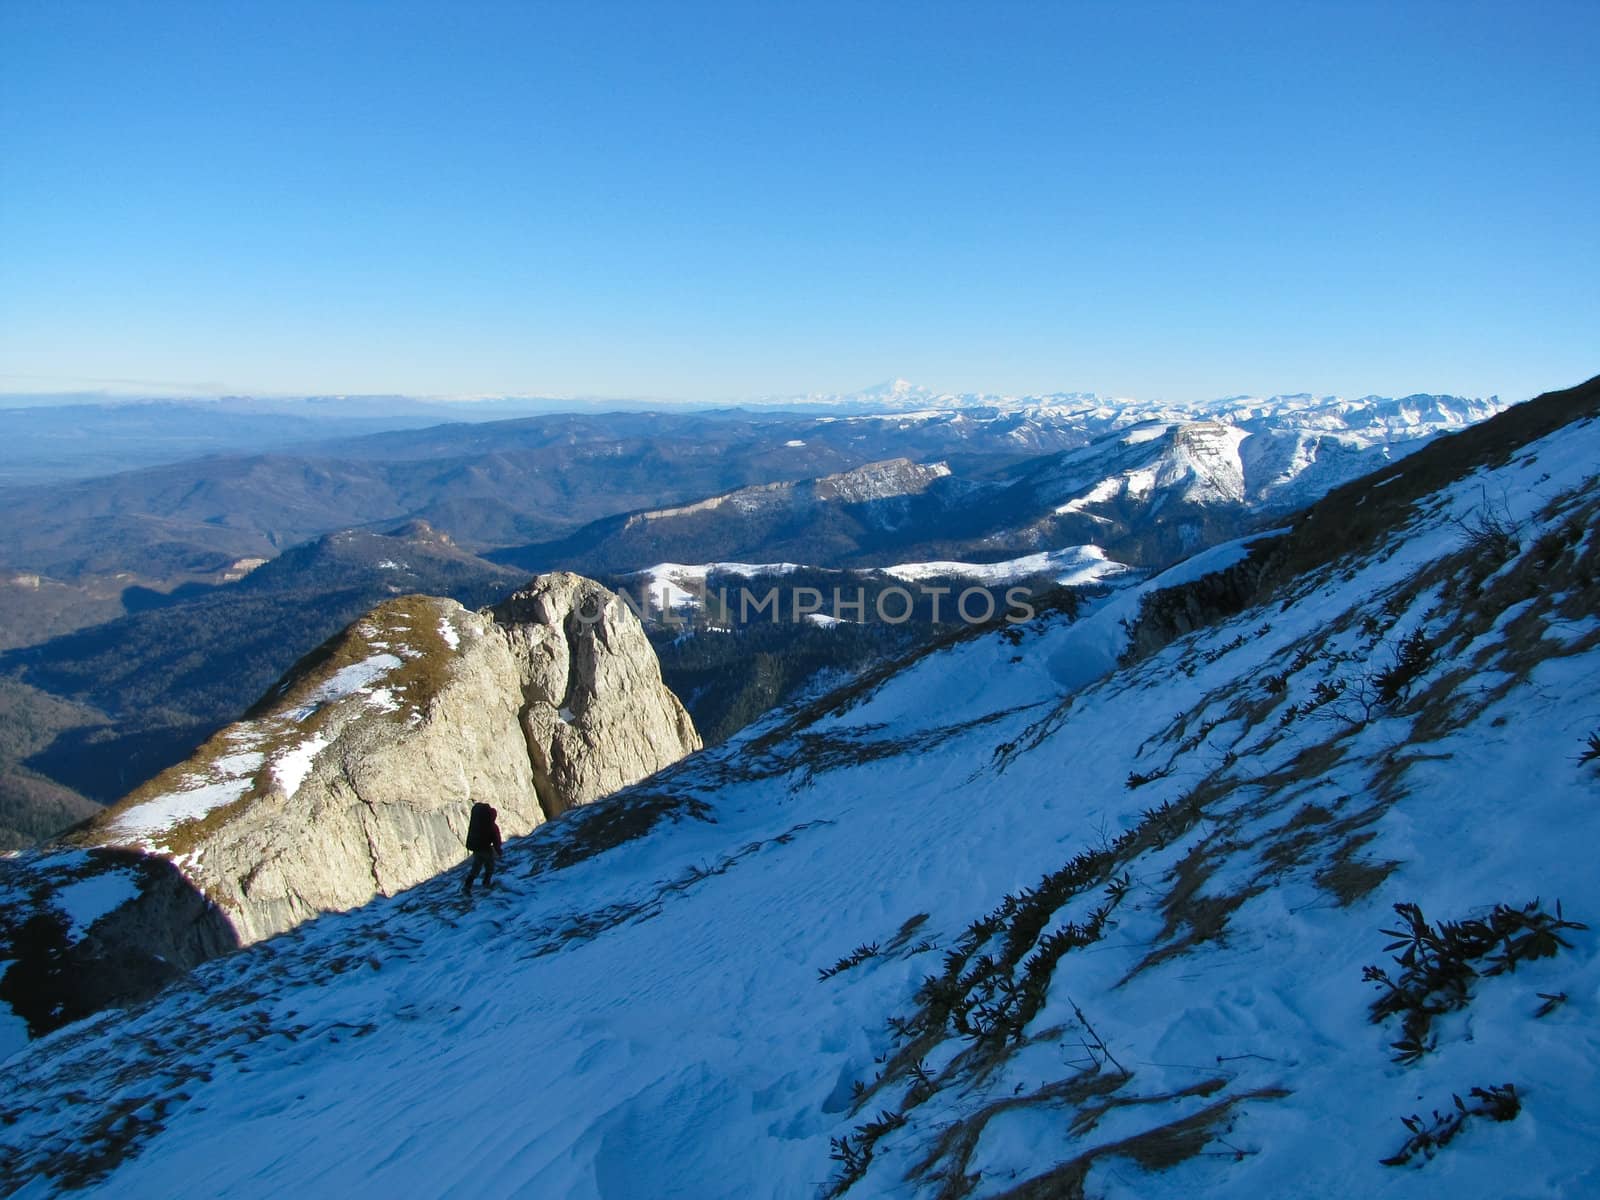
(1270, 455)
(1071, 566)
(1194, 463)
(982, 927)
(1278, 452)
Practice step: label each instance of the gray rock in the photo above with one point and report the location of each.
(594, 710)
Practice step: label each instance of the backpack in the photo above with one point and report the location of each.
(480, 828)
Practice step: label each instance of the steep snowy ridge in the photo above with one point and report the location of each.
(879, 481)
(984, 925)
(1268, 457)
(1197, 463)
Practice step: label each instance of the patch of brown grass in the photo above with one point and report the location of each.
(951, 1153)
(1155, 1149)
(591, 829)
(1347, 880)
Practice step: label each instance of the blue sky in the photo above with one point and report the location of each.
(716, 201)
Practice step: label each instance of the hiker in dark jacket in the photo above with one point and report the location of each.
(483, 839)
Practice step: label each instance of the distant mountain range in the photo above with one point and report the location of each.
(162, 600)
(1144, 483)
(495, 484)
(48, 438)
(902, 396)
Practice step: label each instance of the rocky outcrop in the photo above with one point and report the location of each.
(355, 775)
(595, 713)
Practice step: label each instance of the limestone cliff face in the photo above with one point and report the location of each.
(595, 713)
(355, 775)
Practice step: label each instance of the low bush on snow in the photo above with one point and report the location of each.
(1439, 965)
(1429, 1137)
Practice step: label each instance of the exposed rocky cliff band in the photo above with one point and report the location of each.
(354, 776)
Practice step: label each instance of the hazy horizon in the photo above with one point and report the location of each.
(864, 395)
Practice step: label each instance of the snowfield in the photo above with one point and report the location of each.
(291, 767)
(86, 901)
(732, 1001)
(1073, 565)
(228, 779)
(681, 587)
